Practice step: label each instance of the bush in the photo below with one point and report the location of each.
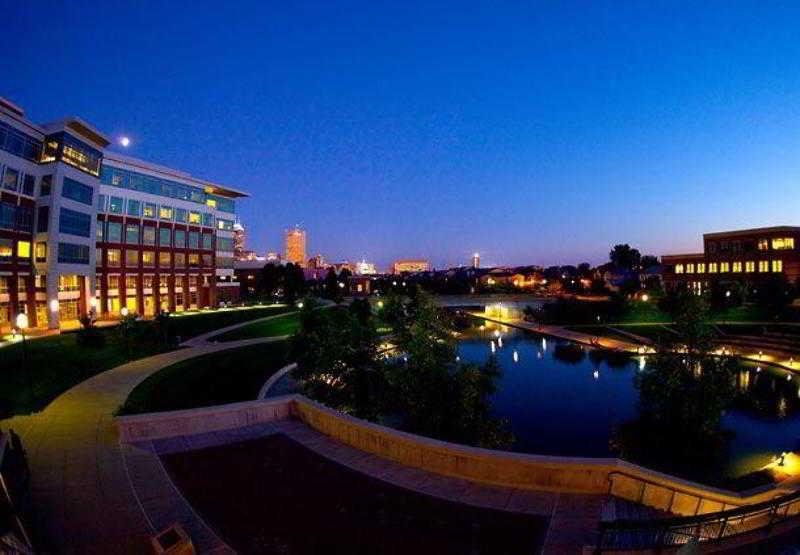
(89, 335)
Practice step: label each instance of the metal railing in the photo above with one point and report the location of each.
(709, 527)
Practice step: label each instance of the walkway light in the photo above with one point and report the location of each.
(54, 305)
(380, 304)
(645, 297)
(124, 311)
(300, 304)
(22, 321)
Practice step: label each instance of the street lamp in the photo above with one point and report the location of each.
(22, 325)
(124, 311)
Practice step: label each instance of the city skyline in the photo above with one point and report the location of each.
(656, 127)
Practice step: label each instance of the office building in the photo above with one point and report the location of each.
(744, 256)
(85, 231)
(476, 260)
(410, 266)
(296, 246)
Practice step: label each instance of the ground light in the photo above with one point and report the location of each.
(22, 325)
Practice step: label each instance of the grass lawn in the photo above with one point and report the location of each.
(285, 325)
(643, 312)
(744, 313)
(191, 324)
(54, 364)
(214, 379)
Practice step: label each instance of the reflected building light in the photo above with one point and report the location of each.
(539, 355)
(516, 356)
(596, 374)
(500, 342)
(544, 343)
(497, 333)
(458, 359)
(758, 369)
(642, 362)
(492, 346)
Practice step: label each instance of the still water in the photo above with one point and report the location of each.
(567, 402)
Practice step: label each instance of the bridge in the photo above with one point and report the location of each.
(512, 301)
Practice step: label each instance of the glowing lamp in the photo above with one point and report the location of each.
(300, 305)
(645, 297)
(54, 305)
(124, 311)
(22, 321)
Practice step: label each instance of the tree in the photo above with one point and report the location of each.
(625, 257)
(294, 283)
(648, 261)
(332, 289)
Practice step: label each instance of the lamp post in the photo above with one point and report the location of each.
(22, 325)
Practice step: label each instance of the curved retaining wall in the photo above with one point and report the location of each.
(563, 474)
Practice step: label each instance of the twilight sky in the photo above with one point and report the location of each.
(539, 132)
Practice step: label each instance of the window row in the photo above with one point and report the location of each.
(736, 267)
(15, 180)
(155, 186)
(16, 218)
(135, 234)
(9, 246)
(148, 281)
(148, 259)
(70, 253)
(19, 144)
(139, 209)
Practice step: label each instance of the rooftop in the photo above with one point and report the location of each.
(752, 231)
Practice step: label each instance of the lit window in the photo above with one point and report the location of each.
(113, 257)
(149, 210)
(165, 213)
(777, 266)
(180, 260)
(23, 249)
(148, 258)
(737, 267)
(701, 268)
(41, 252)
(131, 258)
(194, 260)
(690, 268)
(763, 266)
(210, 202)
(724, 267)
(164, 259)
(763, 244)
(194, 217)
(749, 266)
(130, 282)
(712, 268)
(783, 243)
(678, 268)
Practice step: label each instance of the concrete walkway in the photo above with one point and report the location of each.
(80, 489)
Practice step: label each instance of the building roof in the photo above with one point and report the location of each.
(753, 231)
(79, 127)
(670, 258)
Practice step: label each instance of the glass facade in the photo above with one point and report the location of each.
(63, 146)
(74, 223)
(69, 253)
(19, 144)
(77, 191)
(127, 179)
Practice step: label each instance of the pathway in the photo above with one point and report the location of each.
(80, 489)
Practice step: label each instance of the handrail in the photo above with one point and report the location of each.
(673, 531)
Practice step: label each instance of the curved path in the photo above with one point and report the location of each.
(80, 490)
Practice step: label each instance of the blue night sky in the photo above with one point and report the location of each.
(533, 133)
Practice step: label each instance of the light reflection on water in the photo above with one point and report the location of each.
(563, 400)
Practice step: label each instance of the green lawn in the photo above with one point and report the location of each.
(191, 324)
(54, 364)
(217, 378)
(643, 312)
(285, 325)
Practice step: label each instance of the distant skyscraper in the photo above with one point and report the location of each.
(317, 262)
(296, 246)
(238, 241)
(476, 260)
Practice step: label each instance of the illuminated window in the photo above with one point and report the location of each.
(41, 252)
(211, 203)
(6, 249)
(690, 268)
(164, 260)
(783, 243)
(712, 268)
(113, 257)
(148, 258)
(23, 249)
(750, 266)
(149, 210)
(180, 260)
(701, 268)
(724, 267)
(737, 267)
(763, 266)
(194, 217)
(763, 244)
(130, 282)
(194, 260)
(777, 266)
(165, 213)
(678, 268)
(163, 281)
(113, 282)
(147, 282)
(131, 258)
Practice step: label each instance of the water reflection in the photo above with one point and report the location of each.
(557, 406)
